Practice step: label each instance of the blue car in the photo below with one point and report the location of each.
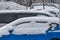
(19, 29)
(49, 36)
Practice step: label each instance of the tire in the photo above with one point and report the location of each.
(55, 39)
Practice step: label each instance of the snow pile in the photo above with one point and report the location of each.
(11, 6)
(47, 8)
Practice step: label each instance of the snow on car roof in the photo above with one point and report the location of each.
(25, 11)
(21, 11)
(48, 7)
(49, 19)
(47, 4)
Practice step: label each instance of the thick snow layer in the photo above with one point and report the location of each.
(11, 6)
(28, 25)
(30, 30)
(48, 19)
(27, 11)
(47, 8)
(33, 27)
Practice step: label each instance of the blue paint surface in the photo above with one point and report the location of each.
(46, 36)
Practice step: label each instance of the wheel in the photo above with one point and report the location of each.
(55, 39)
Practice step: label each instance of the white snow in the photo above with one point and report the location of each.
(4, 30)
(33, 28)
(24, 26)
(11, 6)
(30, 30)
(27, 11)
(47, 8)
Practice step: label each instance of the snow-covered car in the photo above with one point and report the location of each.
(46, 4)
(51, 7)
(31, 26)
(8, 16)
(11, 6)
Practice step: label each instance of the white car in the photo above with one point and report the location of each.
(29, 25)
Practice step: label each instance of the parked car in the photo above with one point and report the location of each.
(51, 7)
(8, 16)
(30, 26)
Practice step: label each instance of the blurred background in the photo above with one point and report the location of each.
(29, 2)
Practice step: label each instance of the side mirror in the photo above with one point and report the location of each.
(53, 26)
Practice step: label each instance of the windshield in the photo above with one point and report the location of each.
(9, 17)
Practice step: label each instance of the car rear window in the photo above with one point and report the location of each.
(9, 17)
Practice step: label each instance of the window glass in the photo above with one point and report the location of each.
(41, 14)
(9, 17)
